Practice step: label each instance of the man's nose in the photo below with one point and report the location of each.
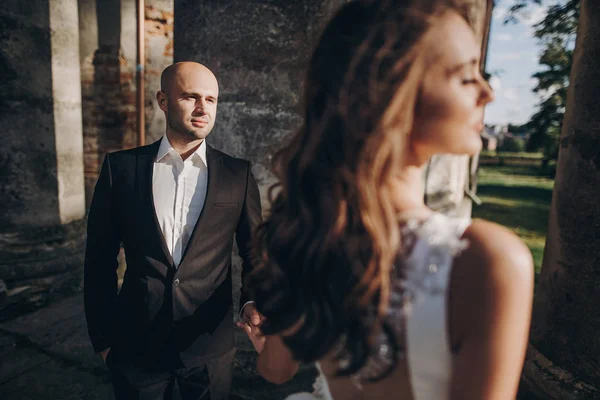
(200, 106)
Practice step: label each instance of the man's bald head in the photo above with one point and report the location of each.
(189, 95)
(178, 71)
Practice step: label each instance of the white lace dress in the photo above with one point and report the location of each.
(431, 246)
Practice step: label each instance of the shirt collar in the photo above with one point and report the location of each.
(166, 148)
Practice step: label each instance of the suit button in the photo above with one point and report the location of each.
(176, 282)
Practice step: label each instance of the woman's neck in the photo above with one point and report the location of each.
(409, 190)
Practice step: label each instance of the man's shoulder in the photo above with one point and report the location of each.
(127, 158)
(125, 161)
(149, 149)
(233, 162)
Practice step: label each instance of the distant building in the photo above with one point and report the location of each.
(491, 134)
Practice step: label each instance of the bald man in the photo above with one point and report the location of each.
(175, 206)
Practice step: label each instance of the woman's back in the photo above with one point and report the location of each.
(449, 268)
(417, 314)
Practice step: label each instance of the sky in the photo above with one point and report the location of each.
(513, 55)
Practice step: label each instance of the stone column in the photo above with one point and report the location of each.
(562, 359)
(41, 174)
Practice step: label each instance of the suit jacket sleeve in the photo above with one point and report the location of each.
(100, 265)
(250, 219)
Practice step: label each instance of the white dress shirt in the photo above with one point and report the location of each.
(179, 190)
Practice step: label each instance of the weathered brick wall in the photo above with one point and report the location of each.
(108, 109)
(108, 76)
(159, 55)
(107, 86)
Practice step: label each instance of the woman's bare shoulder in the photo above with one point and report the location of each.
(494, 251)
(489, 276)
(491, 296)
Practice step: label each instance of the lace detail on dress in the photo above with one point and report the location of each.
(320, 386)
(320, 389)
(429, 248)
(443, 243)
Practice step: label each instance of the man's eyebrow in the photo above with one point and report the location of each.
(195, 94)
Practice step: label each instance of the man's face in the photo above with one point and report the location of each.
(190, 103)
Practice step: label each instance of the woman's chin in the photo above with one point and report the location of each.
(472, 148)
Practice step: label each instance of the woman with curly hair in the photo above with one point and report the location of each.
(388, 298)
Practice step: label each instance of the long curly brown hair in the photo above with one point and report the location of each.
(332, 236)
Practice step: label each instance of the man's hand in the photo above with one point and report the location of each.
(250, 323)
(104, 354)
(257, 338)
(251, 316)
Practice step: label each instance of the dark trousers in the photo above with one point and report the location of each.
(207, 381)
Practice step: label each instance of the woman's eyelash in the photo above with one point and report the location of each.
(467, 81)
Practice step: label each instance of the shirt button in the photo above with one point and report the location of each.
(176, 282)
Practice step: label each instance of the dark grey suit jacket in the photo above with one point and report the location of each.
(160, 309)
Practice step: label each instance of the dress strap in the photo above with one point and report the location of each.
(428, 268)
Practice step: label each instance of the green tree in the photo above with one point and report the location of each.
(518, 130)
(557, 33)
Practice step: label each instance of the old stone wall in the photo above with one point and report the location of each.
(259, 51)
(41, 160)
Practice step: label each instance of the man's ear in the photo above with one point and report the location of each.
(161, 98)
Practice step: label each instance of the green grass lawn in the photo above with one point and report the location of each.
(517, 197)
(533, 156)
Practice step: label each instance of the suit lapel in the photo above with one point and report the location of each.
(214, 161)
(145, 168)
